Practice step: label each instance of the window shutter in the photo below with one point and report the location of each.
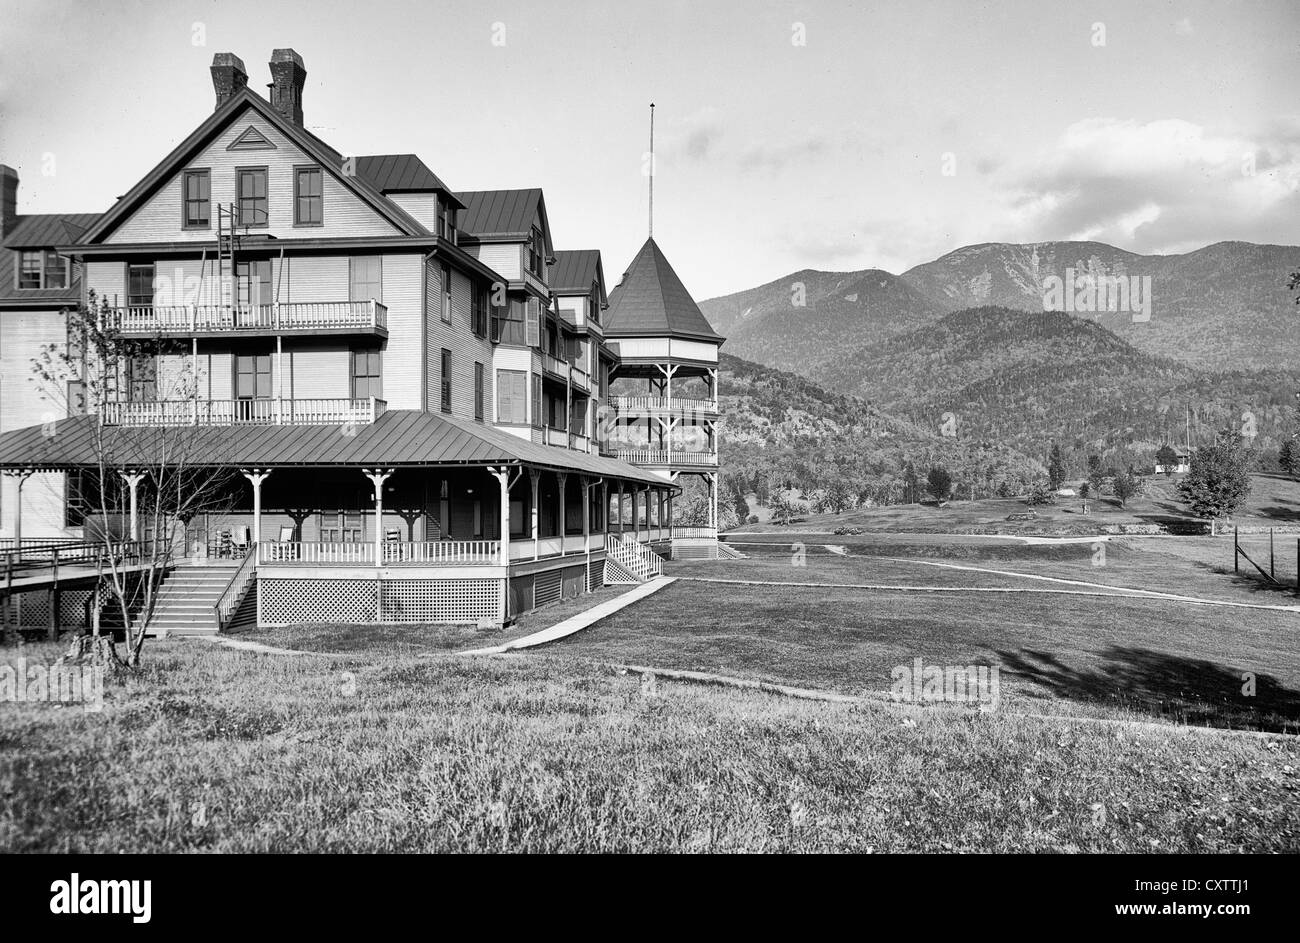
(533, 316)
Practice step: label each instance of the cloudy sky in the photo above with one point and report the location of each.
(789, 135)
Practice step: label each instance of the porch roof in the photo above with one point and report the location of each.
(397, 438)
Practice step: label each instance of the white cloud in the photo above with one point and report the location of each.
(1152, 186)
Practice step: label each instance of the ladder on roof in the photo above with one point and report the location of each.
(227, 242)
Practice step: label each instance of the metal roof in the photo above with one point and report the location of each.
(401, 173)
(574, 270)
(652, 301)
(398, 438)
(499, 212)
(39, 232)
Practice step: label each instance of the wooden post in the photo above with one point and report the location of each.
(1271, 573)
(534, 518)
(133, 480)
(377, 478)
(255, 477)
(1236, 550)
(561, 483)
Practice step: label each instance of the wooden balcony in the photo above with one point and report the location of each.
(555, 366)
(392, 553)
(237, 412)
(556, 437)
(316, 317)
(580, 378)
(660, 405)
(668, 457)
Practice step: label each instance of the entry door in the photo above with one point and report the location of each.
(252, 382)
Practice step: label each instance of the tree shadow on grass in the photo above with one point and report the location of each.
(1283, 589)
(1184, 690)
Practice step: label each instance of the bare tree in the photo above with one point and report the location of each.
(143, 477)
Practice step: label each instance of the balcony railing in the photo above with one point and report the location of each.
(555, 365)
(693, 533)
(667, 457)
(253, 412)
(214, 319)
(557, 437)
(580, 378)
(662, 404)
(393, 553)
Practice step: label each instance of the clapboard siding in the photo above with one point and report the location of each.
(423, 206)
(402, 280)
(27, 401)
(458, 337)
(317, 373)
(505, 258)
(159, 219)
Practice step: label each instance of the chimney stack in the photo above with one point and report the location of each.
(288, 76)
(229, 77)
(8, 199)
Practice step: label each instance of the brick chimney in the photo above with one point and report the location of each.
(8, 199)
(288, 76)
(229, 76)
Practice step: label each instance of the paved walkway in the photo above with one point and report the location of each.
(579, 622)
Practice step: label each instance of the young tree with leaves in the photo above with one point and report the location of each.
(1055, 468)
(1288, 457)
(1168, 458)
(939, 483)
(1219, 481)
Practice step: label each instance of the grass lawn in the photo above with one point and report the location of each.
(1112, 656)
(217, 750)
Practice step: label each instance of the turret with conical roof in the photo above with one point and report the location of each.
(665, 381)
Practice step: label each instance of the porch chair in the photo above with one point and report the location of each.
(392, 543)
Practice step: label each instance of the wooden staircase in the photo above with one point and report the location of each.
(627, 561)
(188, 597)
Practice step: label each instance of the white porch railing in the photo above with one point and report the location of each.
(667, 457)
(656, 404)
(424, 552)
(296, 316)
(255, 412)
(687, 533)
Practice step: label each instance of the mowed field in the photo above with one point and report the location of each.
(1061, 647)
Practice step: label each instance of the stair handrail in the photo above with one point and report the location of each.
(233, 594)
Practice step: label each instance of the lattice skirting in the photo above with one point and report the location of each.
(32, 610)
(363, 602)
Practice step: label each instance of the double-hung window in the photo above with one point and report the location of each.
(198, 199)
(139, 285)
(308, 197)
(43, 268)
(446, 294)
(251, 195)
(367, 379)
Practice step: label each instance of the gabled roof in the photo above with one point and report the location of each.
(397, 438)
(574, 271)
(651, 301)
(500, 214)
(43, 231)
(402, 173)
(217, 122)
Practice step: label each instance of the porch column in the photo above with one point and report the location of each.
(377, 478)
(133, 479)
(620, 509)
(535, 515)
(713, 500)
(562, 479)
(502, 475)
(255, 477)
(16, 525)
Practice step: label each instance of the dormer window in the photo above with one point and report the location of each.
(42, 268)
(536, 252)
(446, 221)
